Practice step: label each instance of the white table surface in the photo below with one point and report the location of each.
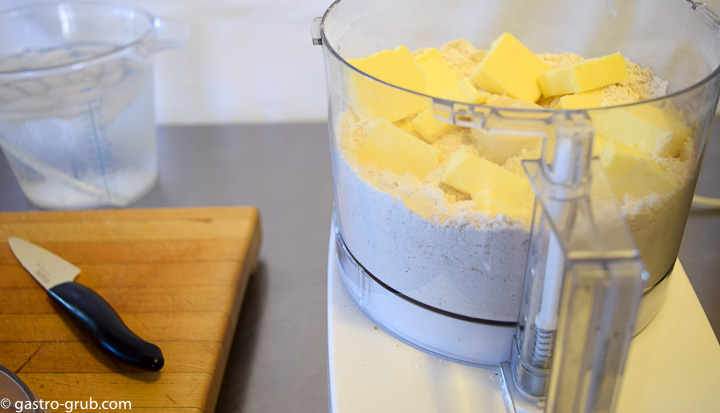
(673, 364)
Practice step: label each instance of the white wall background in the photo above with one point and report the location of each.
(245, 61)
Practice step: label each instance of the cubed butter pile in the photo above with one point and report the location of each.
(389, 147)
(587, 75)
(510, 68)
(430, 128)
(656, 132)
(372, 99)
(405, 133)
(492, 187)
(631, 172)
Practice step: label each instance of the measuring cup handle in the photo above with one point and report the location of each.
(166, 35)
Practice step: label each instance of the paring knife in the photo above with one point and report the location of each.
(86, 307)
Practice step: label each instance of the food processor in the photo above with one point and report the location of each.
(550, 300)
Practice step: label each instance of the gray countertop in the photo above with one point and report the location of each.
(278, 360)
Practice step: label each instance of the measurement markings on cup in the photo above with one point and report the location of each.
(96, 134)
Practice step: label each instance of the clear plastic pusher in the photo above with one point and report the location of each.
(584, 277)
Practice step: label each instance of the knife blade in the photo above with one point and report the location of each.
(85, 306)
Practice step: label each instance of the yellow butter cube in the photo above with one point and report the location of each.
(510, 68)
(389, 147)
(440, 78)
(471, 174)
(599, 142)
(430, 128)
(406, 126)
(656, 132)
(583, 100)
(630, 172)
(466, 92)
(492, 207)
(371, 99)
(499, 148)
(587, 75)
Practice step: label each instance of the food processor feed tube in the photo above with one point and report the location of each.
(584, 277)
(583, 285)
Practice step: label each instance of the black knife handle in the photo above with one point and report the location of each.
(100, 320)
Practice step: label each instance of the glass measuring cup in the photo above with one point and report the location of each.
(456, 262)
(77, 118)
(16, 396)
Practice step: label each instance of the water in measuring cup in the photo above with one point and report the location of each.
(80, 138)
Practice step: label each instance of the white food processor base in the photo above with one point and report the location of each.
(673, 364)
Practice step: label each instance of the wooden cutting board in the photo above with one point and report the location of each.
(177, 278)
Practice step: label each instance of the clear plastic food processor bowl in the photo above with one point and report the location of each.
(457, 263)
